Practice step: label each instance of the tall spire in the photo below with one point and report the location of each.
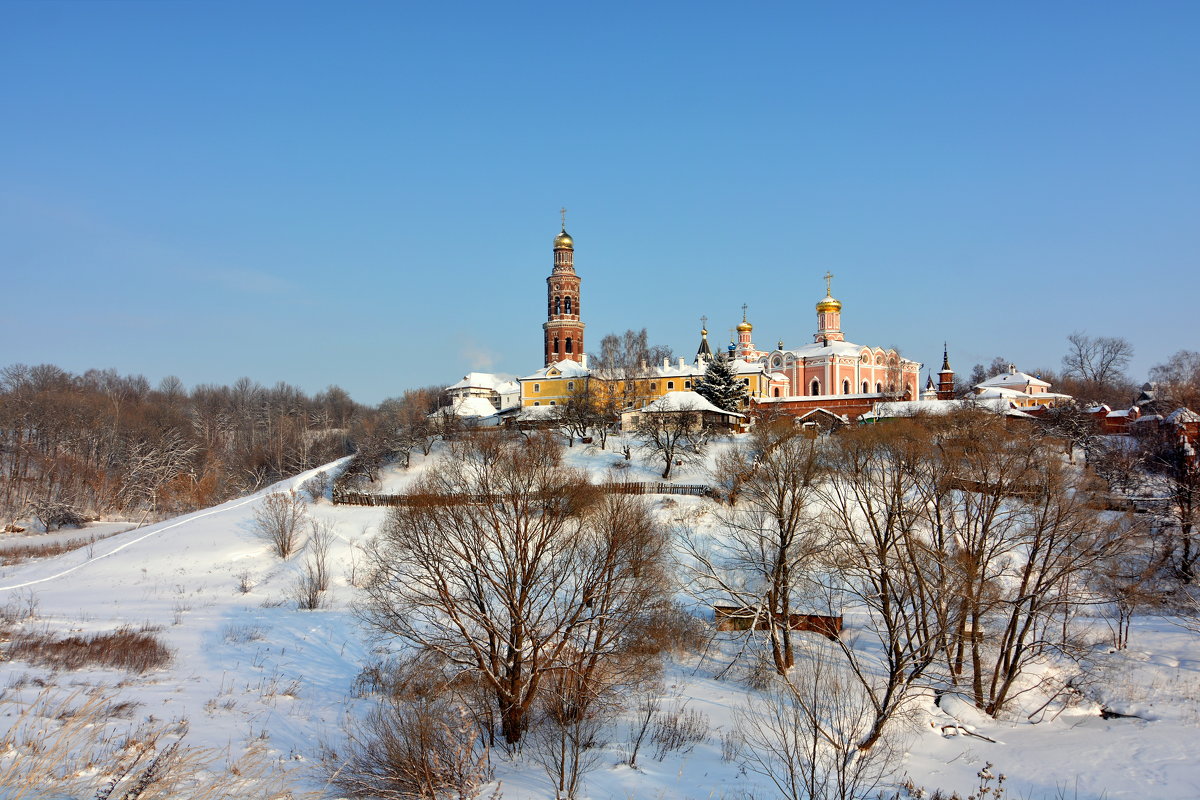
(945, 382)
(704, 352)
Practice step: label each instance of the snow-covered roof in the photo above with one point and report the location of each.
(835, 348)
(1098, 409)
(538, 412)
(486, 380)
(1014, 377)
(1124, 413)
(912, 408)
(473, 407)
(742, 367)
(1182, 415)
(684, 401)
(565, 368)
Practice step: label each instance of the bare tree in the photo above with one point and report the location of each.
(770, 538)
(673, 437)
(532, 576)
(803, 733)
(1099, 359)
(1173, 461)
(1177, 380)
(589, 408)
(873, 558)
(279, 521)
(314, 572)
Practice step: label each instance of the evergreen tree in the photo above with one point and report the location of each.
(720, 386)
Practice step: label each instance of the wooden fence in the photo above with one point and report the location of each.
(344, 498)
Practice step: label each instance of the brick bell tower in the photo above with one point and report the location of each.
(563, 328)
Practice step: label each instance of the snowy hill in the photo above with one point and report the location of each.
(250, 669)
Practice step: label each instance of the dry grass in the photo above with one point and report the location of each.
(20, 553)
(63, 747)
(124, 648)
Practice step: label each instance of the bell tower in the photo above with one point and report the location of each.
(563, 328)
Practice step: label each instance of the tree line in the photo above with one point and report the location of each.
(77, 446)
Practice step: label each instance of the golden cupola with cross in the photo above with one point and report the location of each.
(829, 316)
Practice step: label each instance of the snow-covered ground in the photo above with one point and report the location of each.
(250, 668)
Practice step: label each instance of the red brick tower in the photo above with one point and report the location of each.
(563, 327)
(945, 388)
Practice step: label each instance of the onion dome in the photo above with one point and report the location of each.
(829, 304)
(564, 241)
(744, 326)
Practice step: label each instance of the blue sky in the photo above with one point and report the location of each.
(365, 194)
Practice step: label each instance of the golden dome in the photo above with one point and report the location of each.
(745, 326)
(564, 240)
(829, 304)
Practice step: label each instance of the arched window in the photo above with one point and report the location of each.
(777, 391)
(670, 384)
(568, 305)
(866, 387)
(569, 345)
(891, 388)
(558, 305)
(556, 344)
(815, 387)
(845, 387)
(537, 402)
(879, 388)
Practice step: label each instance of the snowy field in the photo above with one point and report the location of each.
(250, 670)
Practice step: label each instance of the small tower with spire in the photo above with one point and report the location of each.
(945, 387)
(829, 317)
(704, 354)
(563, 329)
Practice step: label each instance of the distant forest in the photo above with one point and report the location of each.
(78, 446)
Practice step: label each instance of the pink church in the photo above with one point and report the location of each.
(832, 374)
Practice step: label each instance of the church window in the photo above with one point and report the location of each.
(556, 344)
(845, 387)
(866, 387)
(568, 305)
(815, 388)
(551, 402)
(569, 345)
(892, 388)
(746, 381)
(558, 305)
(670, 384)
(879, 388)
(777, 391)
